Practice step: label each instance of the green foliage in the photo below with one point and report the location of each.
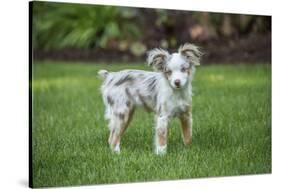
(66, 25)
(239, 24)
(231, 133)
(59, 25)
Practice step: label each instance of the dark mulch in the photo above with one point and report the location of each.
(251, 49)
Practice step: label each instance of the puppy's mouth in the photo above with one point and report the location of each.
(177, 87)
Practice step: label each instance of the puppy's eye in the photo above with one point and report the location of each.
(183, 69)
(168, 72)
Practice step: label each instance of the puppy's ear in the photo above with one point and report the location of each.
(157, 58)
(191, 52)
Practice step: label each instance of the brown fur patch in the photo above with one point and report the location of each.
(161, 136)
(167, 74)
(184, 49)
(186, 134)
(186, 128)
(110, 138)
(186, 52)
(115, 140)
(191, 52)
(159, 61)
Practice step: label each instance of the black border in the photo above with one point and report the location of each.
(30, 57)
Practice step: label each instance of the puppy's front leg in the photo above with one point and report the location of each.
(186, 125)
(161, 134)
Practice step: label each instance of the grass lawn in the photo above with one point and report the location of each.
(231, 128)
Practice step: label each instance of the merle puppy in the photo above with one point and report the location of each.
(167, 92)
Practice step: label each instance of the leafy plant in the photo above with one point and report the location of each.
(58, 25)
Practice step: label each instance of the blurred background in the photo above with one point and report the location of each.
(95, 33)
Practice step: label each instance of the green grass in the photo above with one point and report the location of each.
(231, 131)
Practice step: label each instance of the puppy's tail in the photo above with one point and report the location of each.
(103, 74)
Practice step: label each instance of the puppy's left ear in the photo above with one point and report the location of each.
(191, 52)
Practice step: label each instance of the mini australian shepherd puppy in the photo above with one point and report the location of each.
(167, 92)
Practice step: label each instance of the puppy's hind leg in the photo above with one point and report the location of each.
(127, 121)
(118, 124)
(115, 126)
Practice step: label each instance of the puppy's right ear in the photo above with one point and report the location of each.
(157, 58)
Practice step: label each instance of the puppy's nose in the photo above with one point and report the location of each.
(177, 82)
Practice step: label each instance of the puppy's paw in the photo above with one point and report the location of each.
(116, 149)
(187, 141)
(161, 150)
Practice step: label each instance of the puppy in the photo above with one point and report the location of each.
(167, 92)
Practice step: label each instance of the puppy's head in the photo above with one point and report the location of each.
(178, 68)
